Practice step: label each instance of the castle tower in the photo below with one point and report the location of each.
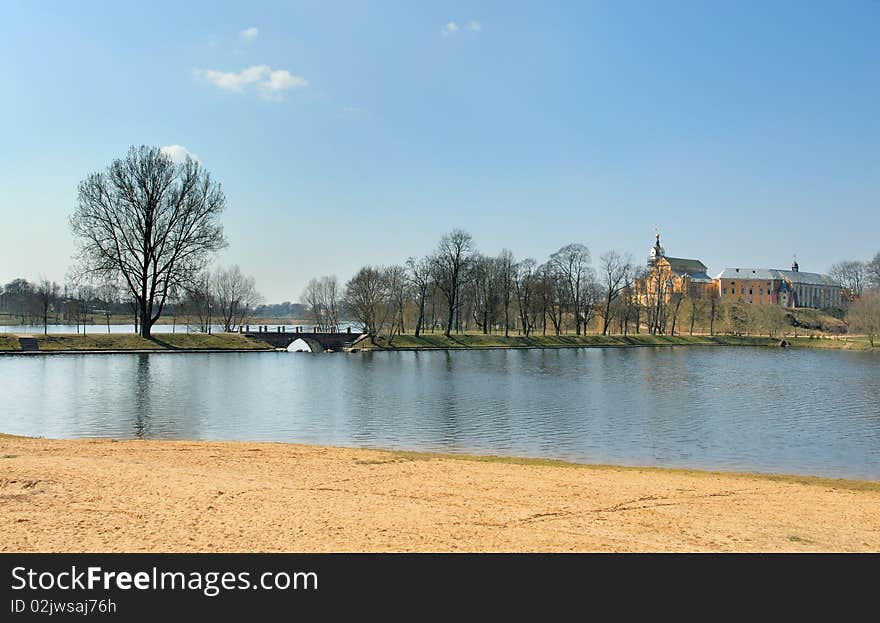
(656, 251)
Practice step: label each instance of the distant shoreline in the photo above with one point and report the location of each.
(58, 344)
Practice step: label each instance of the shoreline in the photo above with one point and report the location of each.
(233, 342)
(107, 495)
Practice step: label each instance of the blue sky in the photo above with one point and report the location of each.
(351, 133)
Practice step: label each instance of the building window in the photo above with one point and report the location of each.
(750, 291)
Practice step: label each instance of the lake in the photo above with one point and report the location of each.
(745, 409)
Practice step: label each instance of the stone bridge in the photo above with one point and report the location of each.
(317, 341)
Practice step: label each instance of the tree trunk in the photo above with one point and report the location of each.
(145, 320)
(451, 317)
(607, 312)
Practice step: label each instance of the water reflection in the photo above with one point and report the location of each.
(745, 409)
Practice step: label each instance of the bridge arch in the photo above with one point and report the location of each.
(305, 345)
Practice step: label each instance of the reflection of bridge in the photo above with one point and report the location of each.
(318, 342)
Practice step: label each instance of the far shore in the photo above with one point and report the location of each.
(235, 342)
(195, 496)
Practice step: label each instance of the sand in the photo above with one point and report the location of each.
(170, 496)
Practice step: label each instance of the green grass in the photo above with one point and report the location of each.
(9, 342)
(478, 340)
(165, 341)
(471, 340)
(814, 481)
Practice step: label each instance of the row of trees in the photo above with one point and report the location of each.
(226, 297)
(861, 280)
(856, 276)
(456, 288)
(39, 302)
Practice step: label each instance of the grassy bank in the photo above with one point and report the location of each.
(105, 342)
(470, 341)
(9, 342)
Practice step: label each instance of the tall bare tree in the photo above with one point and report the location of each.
(451, 261)
(506, 274)
(864, 316)
(420, 277)
(572, 262)
(397, 293)
(852, 275)
(873, 268)
(236, 295)
(47, 295)
(363, 299)
(483, 290)
(525, 283)
(200, 304)
(615, 271)
(322, 297)
(151, 222)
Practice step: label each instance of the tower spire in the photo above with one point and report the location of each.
(656, 251)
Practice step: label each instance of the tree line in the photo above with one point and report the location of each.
(456, 288)
(225, 297)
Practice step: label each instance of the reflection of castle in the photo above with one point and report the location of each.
(667, 277)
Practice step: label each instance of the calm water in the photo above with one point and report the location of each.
(801, 411)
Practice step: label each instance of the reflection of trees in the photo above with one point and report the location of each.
(142, 398)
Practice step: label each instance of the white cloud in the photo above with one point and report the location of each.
(450, 29)
(249, 34)
(270, 83)
(474, 26)
(178, 153)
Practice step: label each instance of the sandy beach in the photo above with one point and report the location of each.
(179, 496)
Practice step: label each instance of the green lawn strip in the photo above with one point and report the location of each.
(472, 340)
(164, 341)
(814, 481)
(9, 342)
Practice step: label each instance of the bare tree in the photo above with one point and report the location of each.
(506, 273)
(200, 303)
(397, 293)
(572, 262)
(450, 263)
(615, 271)
(19, 299)
(590, 298)
(873, 269)
(864, 316)
(151, 222)
(482, 281)
(852, 275)
(552, 289)
(108, 293)
(524, 287)
(47, 295)
(420, 278)
(322, 297)
(364, 298)
(236, 295)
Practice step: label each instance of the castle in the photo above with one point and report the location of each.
(669, 276)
